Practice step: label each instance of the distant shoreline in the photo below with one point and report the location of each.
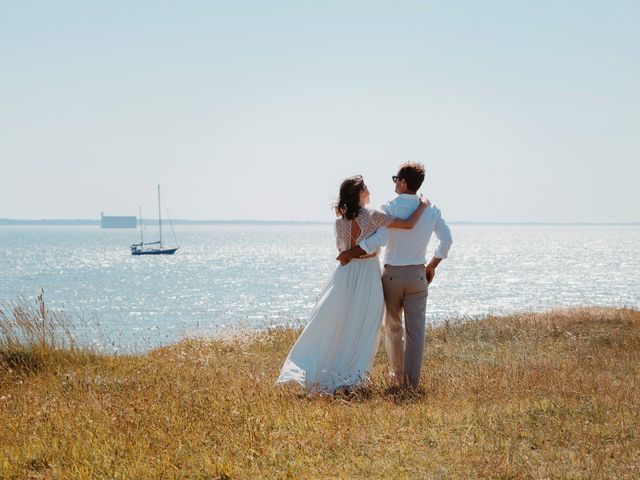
(87, 222)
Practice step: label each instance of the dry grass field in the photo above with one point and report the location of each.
(550, 395)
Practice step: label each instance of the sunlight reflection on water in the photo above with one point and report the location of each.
(257, 275)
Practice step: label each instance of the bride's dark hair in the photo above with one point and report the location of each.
(348, 205)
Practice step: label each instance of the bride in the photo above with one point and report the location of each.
(337, 347)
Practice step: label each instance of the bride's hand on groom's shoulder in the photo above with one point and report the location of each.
(425, 201)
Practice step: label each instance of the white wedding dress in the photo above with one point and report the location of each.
(338, 345)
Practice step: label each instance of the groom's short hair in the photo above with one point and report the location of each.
(413, 173)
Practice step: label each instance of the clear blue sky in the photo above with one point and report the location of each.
(521, 111)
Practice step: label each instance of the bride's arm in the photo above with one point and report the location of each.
(413, 219)
(348, 255)
(366, 246)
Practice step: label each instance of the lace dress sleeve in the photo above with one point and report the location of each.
(370, 221)
(343, 234)
(381, 219)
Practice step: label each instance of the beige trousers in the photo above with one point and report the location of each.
(405, 289)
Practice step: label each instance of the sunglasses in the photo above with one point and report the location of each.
(395, 178)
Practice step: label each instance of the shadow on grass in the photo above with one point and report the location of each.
(25, 361)
(21, 360)
(398, 395)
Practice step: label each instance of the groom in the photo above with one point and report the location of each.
(405, 277)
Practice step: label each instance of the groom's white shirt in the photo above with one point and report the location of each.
(409, 247)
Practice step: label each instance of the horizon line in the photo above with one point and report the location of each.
(88, 222)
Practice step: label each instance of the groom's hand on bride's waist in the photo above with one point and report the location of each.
(348, 255)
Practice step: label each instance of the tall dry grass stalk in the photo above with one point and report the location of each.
(551, 395)
(30, 333)
(26, 325)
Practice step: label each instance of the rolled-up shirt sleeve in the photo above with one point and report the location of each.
(374, 241)
(443, 232)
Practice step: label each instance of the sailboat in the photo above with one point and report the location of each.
(140, 248)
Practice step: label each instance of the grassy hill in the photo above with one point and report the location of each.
(549, 395)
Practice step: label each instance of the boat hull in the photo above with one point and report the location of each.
(157, 251)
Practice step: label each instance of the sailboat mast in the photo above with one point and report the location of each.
(141, 238)
(159, 216)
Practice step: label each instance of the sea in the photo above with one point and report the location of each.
(229, 277)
